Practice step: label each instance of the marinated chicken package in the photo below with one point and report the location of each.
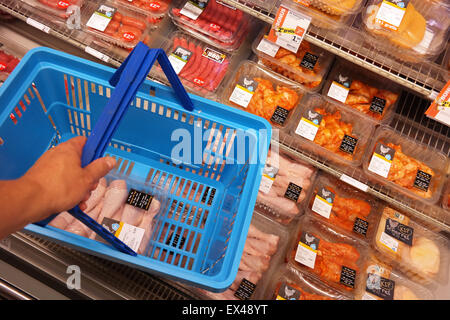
(343, 207)
(362, 91)
(224, 24)
(59, 8)
(258, 90)
(330, 131)
(285, 186)
(289, 283)
(200, 67)
(155, 8)
(308, 66)
(125, 207)
(404, 166)
(419, 253)
(381, 282)
(114, 23)
(328, 255)
(446, 197)
(411, 30)
(264, 250)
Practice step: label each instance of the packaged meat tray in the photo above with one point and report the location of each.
(264, 250)
(114, 23)
(380, 282)
(362, 91)
(308, 66)
(404, 166)
(215, 19)
(126, 208)
(266, 5)
(200, 67)
(446, 197)
(410, 33)
(417, 252)
(56, 7)
(343, 207)
(328, 255)
(154, 8)
(333, 133)
(285, 186)
(290, 283)
(260, 91)
(8, 61)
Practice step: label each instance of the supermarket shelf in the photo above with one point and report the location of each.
(423, 78)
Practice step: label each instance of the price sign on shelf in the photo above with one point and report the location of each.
(289, 28)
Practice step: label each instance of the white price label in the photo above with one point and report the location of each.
(380, 165)
(96, 54)
(307, 129)
(38, 25)
(131, 236)
(266, 184)
(322, 207)
(389, 242)
(355, 183)
(241, 96)
(338, 91)
(390, 15)
(268, 47)
(305, 255)
(177, 63)
(193, 9)
(100, 19)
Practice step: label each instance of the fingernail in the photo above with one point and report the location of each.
(82, 206)
(111, 162)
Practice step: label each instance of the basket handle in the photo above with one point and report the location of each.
(127, 79)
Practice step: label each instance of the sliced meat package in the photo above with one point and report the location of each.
(55, 7)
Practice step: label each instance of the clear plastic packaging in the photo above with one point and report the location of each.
(258, 90)
(330, 256)
(362, 91)
(308, 66)
(411, 248)
(124, 206)
(264, 250)
(405, 166)
(264, 4)
(285, 186)
(446, 197)
(116, 24)
(343, 207)
(217, 20)
(155, 8)
(382, 283)
(290, 283)
(55, 7)
(446, 63)
(333, 133)
(9, 59)
(200, 67)
(414, 33)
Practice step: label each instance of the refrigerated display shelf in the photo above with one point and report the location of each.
(425, 78)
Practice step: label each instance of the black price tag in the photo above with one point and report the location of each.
(286, 292)
(348, 277)
(245, 290)
(379, 286)
(360, 226)
(139, 199)
(280, 115)
(399, 231)
(422, 181)
(377, 105)
(309, 61)
(293, 192)
(348, 144)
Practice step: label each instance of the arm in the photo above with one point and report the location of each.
(55, 183)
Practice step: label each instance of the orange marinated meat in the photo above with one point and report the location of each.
(304, 295)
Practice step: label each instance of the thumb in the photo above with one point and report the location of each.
(100, 167)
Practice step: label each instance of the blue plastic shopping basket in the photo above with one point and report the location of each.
(212, 184)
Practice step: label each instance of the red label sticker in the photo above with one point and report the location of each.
(128, 36)
(63, 4)
(2, 66)
(154, 5)
(199, 82)
(214, 27)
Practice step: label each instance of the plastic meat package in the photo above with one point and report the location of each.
(155, 8)
(308, 66)
(225, 25)
(328, 255)
(412, 33)
(343, 207)
(125, 207)
(285, 186)
(416, 251)
(446, 197)
(382, 283)
(264, 250)
(200, 67)
(290, 283)
(267, 5)
(9, 59)
(55, 7)
(362, 91)
(116, 24)
(258, 90)
(328, 130)
(405, 166)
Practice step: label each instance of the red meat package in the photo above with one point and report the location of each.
(55, 7)
(7, 62)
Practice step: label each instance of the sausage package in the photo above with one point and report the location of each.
(359, 90)
(290, 283)
(380, 282)
(411, 30)
(114, 23)
(404, 166)
(154, 8)
(411, 248)
(285, 186)
(57, 8)
(328, 255)
(127, 208)
(308, 66)
(333, 133)
(258, 90)
(200, 67)
(343, 207)
(9, 59)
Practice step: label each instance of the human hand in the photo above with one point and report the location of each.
(60, 179)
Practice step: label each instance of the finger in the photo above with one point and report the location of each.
(77, 144)
(82, 206)
(99, 168)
